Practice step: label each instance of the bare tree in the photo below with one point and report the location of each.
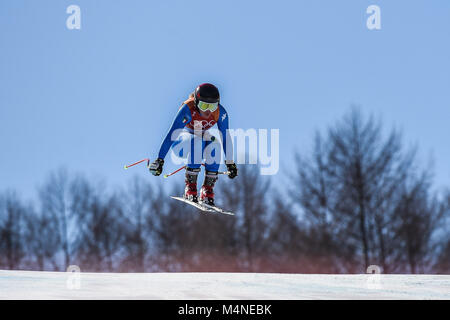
(55, 206)
(174, 231)
(137, 203)
(12, 246)
(285, 240)
(247, 196)
(419, 216)
(350, 188)
(100, 232)
(313, 188)
(41, 240)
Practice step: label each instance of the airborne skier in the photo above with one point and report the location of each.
(197, 115)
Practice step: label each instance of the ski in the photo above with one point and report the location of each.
(217, 209)
(203, 206)
(195, 204)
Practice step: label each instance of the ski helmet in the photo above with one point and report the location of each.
(206, 92)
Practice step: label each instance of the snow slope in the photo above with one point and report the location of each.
(264, 286)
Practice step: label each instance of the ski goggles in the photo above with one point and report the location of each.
(204, 106)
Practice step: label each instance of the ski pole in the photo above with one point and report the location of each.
(168, 175)
(133, 164)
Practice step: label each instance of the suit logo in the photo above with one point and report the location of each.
(203, 124)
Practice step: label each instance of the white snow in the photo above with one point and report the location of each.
(204, 286)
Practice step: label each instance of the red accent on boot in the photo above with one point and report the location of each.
(190, 190)
(206, 192)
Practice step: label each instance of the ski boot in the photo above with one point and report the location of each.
(206, 192)
(190, 191)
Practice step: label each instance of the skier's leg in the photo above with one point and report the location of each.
(192, 171)
(207, 190)
(195, 152)
(190, 190)
(211, 174)
(211, 153)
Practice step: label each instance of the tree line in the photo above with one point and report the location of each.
(358, 198)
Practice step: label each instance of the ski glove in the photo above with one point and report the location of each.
(156, 167)
(233, 171)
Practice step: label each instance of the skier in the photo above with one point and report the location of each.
(197, 115)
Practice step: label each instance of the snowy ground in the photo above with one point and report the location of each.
(264, 286)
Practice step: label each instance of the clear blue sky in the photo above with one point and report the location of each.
(97, 98)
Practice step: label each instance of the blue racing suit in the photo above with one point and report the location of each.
(191, 129)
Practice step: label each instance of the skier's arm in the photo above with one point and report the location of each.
(182, 118)
(227, 142)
